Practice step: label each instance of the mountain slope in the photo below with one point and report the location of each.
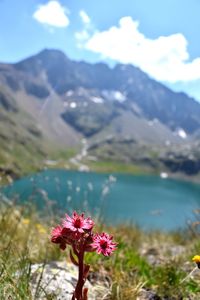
(123, 82)
(22, 146)
(52, 100)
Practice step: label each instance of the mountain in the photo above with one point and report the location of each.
(124, 82)
(121, 111)
(21, 143)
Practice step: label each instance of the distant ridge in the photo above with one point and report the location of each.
(111, 107)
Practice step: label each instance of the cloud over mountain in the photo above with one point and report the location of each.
(165, 58)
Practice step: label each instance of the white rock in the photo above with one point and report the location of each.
(163, 175)
(59, 279)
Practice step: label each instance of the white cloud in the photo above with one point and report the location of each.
(84, 17)
(87, 30)
(82, 35)
(165, 58)
(52, 13)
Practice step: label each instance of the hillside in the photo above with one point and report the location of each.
(122, 113)
(22, 145)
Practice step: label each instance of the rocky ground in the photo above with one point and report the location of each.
(58, 280)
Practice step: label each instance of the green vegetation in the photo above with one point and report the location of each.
(22, 148)
(63, 154)
(152, 262)
(117, 167)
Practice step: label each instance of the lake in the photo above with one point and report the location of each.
(149, 201)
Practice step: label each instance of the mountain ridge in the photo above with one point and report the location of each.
(64, 74)
(69, 101)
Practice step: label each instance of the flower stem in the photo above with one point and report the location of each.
(78, 294)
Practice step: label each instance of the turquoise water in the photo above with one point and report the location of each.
(149, 201)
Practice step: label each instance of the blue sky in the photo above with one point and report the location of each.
(160, 37)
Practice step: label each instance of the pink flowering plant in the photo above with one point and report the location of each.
(76, 232)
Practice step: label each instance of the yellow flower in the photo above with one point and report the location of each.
(25, 221)
(40, 228)
(196, 259)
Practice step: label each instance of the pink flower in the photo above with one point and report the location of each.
(57, 237)
(70, 236)
(76, 232)
(77, 223)
(56, 234)
(103, 244)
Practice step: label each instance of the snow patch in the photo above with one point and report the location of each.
(163, 175)
(97, 100)
(182, 133)
(73, 104)
(69, 93)
(114, 95)
(119, 96)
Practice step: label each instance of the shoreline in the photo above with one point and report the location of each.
(125, 169)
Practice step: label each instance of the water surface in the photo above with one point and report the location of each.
(148, 201)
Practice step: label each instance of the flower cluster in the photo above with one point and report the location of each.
(76, 231)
